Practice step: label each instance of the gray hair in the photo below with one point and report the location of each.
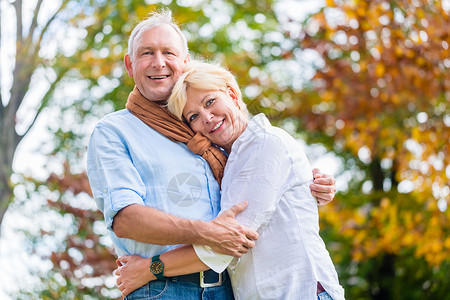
(163, 16)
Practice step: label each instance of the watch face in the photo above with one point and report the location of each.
(156, 267)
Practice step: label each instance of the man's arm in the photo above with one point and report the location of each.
(323, 187)
(223, 234)
(134, 271)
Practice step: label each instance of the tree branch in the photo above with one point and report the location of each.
(33, 24)
(1, 68)
(18, 6)
(47, 25)
(45, 100)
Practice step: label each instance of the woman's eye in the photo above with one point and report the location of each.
(192, 117)
(209, 102)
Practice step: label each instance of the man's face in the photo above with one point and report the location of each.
(158, 62)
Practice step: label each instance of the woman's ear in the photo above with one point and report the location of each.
(232, 93)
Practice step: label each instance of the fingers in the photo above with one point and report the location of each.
(251, 235)
(237, 208)
(125, 292)
(123, 260)
(324, 201)
(316, 173)
(322, 197)
(118, 262)
(325, 180)
(247, 246)
(322, 191)
(119, 283)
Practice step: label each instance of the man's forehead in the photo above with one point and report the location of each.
(171, 38)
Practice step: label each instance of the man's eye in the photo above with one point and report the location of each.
(192, 117)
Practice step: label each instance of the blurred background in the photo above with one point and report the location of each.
(363, 84)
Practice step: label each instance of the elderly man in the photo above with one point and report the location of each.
(154, 192)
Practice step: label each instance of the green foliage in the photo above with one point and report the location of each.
(378, 99)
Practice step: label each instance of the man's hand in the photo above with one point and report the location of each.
(133, 272)
(323, 187)
(227, 236)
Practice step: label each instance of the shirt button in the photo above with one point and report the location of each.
(105, 191)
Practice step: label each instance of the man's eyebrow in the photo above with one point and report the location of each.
(143, 48)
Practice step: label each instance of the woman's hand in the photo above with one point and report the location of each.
(323, 187)
(132, 273)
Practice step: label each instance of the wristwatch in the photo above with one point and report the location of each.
(157, 268)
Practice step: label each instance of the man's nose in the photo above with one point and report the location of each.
(158, 60)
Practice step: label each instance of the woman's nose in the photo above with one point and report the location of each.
(208, 117)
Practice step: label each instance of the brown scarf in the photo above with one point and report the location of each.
(160, 119)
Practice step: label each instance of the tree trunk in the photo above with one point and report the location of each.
(382, 278)
(5, 199)
(383, 275)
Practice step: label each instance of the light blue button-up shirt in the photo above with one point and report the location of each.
(130, 163)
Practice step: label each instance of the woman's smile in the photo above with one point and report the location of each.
(218, 125)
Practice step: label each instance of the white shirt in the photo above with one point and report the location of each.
(267, 168)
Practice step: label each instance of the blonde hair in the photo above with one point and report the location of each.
(155, 19)
(204, 76)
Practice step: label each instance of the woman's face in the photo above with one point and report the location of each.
(215, 114)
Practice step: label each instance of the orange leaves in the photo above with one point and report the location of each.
(391, 225)
(380, 70)
(434, 246)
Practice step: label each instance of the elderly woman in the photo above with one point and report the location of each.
(265, 167)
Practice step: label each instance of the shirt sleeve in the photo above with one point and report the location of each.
(215, 261)
(114, 180)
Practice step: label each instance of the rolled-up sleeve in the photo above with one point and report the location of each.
(215, 261)
(114, 180)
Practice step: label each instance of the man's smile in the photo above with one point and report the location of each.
(156, 77)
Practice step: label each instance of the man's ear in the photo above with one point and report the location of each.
(128, 64)
(232, 93)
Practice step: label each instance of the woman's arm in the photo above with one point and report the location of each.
(133, 271)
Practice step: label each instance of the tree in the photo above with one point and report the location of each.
(42, 64)
(380, 100)
(29, 65)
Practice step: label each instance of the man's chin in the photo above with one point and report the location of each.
(160, 97)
